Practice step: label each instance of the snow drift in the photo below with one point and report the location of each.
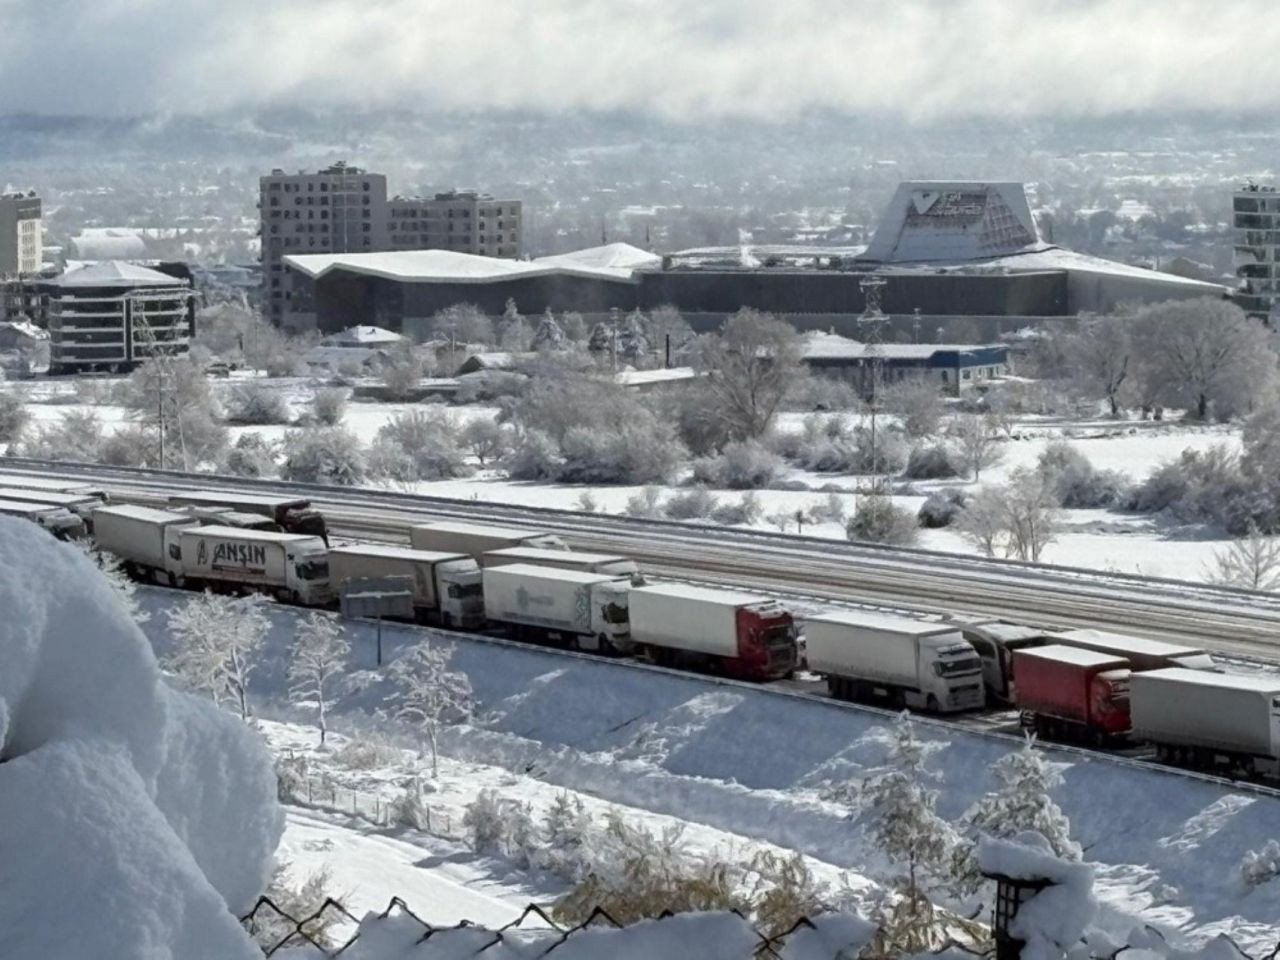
(134, 820)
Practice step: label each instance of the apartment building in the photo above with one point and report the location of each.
(21, 234)
(1256, 217)
(341, 209)
(461, 220)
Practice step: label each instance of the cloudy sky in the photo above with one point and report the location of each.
(684, 59)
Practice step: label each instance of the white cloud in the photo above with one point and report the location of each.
(677, 58)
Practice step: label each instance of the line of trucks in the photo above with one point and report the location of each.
(1085, 686)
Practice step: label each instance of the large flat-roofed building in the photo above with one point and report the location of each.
(1256, 218)
(946, 250)
(113, 315)
(461, 220)
(21, 234)
(341, 209)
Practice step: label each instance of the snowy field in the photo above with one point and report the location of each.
(743, 770)
(1093, 539)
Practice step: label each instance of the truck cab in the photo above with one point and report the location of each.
(461, 591)
(953, 678)
(769, 638)
(611, 618)
(1109, 701)
(307, 573)
(995, 641)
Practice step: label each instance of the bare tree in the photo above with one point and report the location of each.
(1251, 562)
(403, 369)
(982, 520)
(431, 693)
(977, 441)
(218, 639)
(1100, 358)
(486, 439)
(1032, 514)
(749, 365)
(320, 651)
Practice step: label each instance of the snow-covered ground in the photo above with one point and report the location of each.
(741, 766)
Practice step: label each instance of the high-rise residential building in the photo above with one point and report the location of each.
(461, 220)
(340, 209)
(21, 238)
(1256, 213)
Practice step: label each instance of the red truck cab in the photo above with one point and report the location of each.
(767, 646)
(1069, 693)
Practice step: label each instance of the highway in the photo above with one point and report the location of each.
(1229, 622)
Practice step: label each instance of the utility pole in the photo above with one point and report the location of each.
(871, 323)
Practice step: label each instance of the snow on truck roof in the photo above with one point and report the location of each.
(1251, 682)
(216, 497)
(1077, 656)
(134, 511)
(241, 533)
(874, 620)
(391, 552)
(487, 529)
(1122, 641)
(532, 570)
(534, 554)
(27, 507)
(687, 591)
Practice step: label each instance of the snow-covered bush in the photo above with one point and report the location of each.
(1261, 866)
(14, 416)
(816, 392)
(485, 439)
(741, 465)
(976, 439)
(402, 371)
(566, 839)
(935, 461)
(1206, 487)
(331, 455)
(1075, 482)
(292, 771)
(256, 404)
(646, 504)
(586, 502)
(329, 405)
(888, 454)
(409, 810)
(918, 404)
(744, 511)
(420, 445)
(940, 509)
(251, 456)
(269, 927)
(830, 509)
(367, 752)
(695, 504)
(533, 456)
(644, 450)
(878, 519)
(431, 692)
(77, 435)
(489, 385)
(130, 446)
(484, 822)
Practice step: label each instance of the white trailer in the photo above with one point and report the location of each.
(1142, 654)
(866, 655)
(447, 587)
(564, 559)
(63, 524)
(292, 566)
(584, 610)
(477, 539)
(82, 504)
(1209, 720)
(146, 540)
(742, 634)
(27, 481)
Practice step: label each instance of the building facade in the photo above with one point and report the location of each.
(1256, 218)
(113, 315)
(465, 221)
(340, 209)
(21, 234)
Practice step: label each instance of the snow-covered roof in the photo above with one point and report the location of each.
(688, 591)
(635, 378)
(832, 346)
(361, 336)
(108, 246)
(117, 273)
(888, 622)
(1076, 656)
(614, 261)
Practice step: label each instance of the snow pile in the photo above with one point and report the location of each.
(134, 820)
(1052, 921)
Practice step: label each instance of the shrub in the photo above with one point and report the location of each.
(941, 508)
(830, 509)
(77, 435)
(367, 753)
(813, 391)
(324, 455)
(251, 456)
(640, 451)
(745, 512)
(257, 405)
(329, 406)
(420, 445)
(132, 446)
(586, 502)
(879, 520)
(645, 504)
(534, 456)
(485, 439)
(888, 454)
(483, 820)
(933, 462)
(742, 465)
(695, 504)
(14, 417)
(917, 403)
(1075, 482)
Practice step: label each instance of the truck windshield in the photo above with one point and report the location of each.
(615, 613)
(314, 570)
(460, 591)
(779, 636)
(950, 668)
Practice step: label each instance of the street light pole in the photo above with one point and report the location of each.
(871, 322)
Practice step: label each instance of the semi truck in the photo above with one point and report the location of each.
(565, 560)
(227, 517)
(586, 611)
(877, 657)
(447, 587)
(82, 504)
(291, 566)
(477, 539)
(1209, 721)
(293, 514)
(1141, 653)
(1069, 693)
(63, 524)
(27, 481)
(995, 642)
(740, 634)
(146, 540)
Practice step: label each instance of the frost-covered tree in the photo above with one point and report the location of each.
(1100, 359)
(533, 456)
(976, 438)
(548, 335)
(483, 821)
(1251, 562)
(981, 521)
(251, 456)
(877, 519)
(331, 455)
(256, 404)
(427, 446)
(432, 693)
(463, 324)
(485, 439)
(14, 416)
(122, 584)
(918, 404)
(749, 366)
(217, 639)
(566, 838)
(318, 659)
(329, 406)
(1032, 515)
(402, 370)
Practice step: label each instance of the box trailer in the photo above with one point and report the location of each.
(1210, 721)
(1141, 653)
(588, 611)
(62, 523)
(293, 514)
(477, 539)
(82, 504)
(227, 517)
(878, 657)
(742, 634)
(995, 642)
(146, 540)
(564, 559)
(447, 587)
(1069, 693)
(291, 566)
(27, 481)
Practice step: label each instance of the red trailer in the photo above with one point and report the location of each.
(1068, 693)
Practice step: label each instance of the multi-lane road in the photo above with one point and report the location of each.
(1229, 622)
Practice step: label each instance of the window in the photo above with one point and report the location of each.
(310, 187)
(966, 375)
(366, 186)
(324, 188)
(945, 378)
